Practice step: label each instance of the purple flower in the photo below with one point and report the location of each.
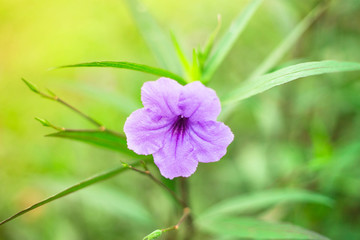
(178, 127)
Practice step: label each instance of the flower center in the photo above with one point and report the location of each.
(180, 125)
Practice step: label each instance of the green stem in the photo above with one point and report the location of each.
(184, 187)
(186, 214)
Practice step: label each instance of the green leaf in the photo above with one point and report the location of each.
(154, 235)
(344, 159)
(74, 188)
(285, 75)
(104, 139)
(195, 69)
(32, 86)
(182, 57)
(228, 40)
(131, 66)
(287, 43)
(158, 42)
(260, 201)
(256, 229)
(204, 54)
(118, 204)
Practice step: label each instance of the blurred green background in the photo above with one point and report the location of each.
(305, 134)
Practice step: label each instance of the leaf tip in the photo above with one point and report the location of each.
(55, 134)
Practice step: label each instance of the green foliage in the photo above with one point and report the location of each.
(182, 57)
(154, 235)
(278, 144)
(158, 41)
(118, 204)
(260, 201)
(131, 66)
(205, 52)
(100, 138)
(235, 228)
(195, 69)
(285, 75)
(107, 98)
(44, 122)
(287, 43)
(228, 40)
(74, 188)
(31, 86)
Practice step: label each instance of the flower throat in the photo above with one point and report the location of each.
(180, 125)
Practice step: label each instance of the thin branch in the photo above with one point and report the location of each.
(46, 123)
(157, 181)
(54, 97)
(59, 100)
(93, 121)
(186, 213)
(157, 233)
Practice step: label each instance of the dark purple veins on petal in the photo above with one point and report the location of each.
(180, 126)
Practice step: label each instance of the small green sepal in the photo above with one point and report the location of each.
(31, 86)
(44, 122)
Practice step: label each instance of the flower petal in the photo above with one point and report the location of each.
(162, 96)
(199, 102)
(145, 131)
(176, 158)
(210, 139)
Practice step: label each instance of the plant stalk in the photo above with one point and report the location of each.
(184, 188)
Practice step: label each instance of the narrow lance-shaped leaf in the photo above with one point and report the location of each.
(158, 41)
(74, 188)
(249, 228)
(280, 51)
(261, 200)
(111, 200)
(131, 66)
(182, 57)
(100, 138)
(285, 75)
(227, 41)
(287, 43)
(204, 54)
(196, 71)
